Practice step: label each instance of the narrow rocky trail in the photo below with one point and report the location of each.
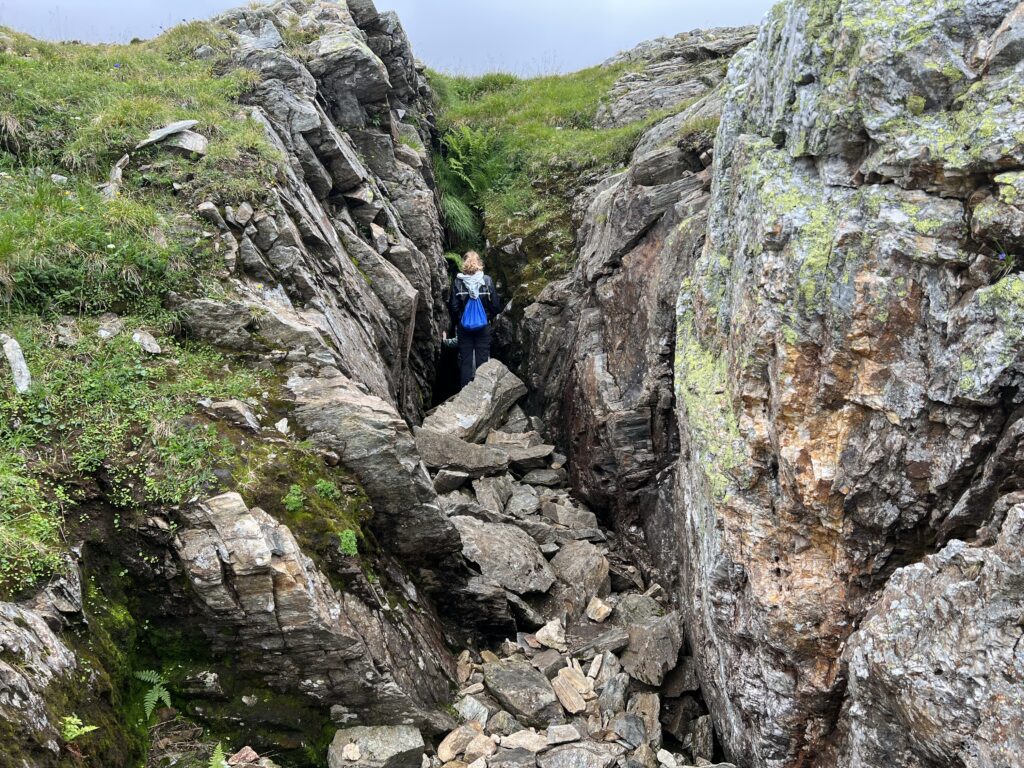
(577, 660)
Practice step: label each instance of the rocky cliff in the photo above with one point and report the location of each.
(753, 494)
(846, 371)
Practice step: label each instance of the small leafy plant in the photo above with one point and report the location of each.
(71, 728)
(218, 759)
(157, 691)
(347, 543)
(295, 499)
(325, 489)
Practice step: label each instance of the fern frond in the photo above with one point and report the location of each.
(163, 695)
(149, 701)
(150, 676)
(218, 759)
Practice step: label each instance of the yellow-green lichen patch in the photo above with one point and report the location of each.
(701, 382)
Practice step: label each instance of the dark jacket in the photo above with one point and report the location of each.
(488, 297)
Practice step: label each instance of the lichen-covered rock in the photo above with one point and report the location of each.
(847, 359)
(672, 70)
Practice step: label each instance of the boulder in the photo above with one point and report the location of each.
(146, 340)
(636, 609)
(493, 493)
(16, 361)
(512, 758)
(455, 743)
(527, 739)
(523, 691)
(234, 412)
(550, 478)
(653, 649)
(505, 554)
(586, 754)
(480, 406)
(375, 443)
(382, 746)
(583, 572)
(447, 452)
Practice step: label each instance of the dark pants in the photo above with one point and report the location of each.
(474, 351)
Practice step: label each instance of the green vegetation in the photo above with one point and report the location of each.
(157, 691)
(514, 151)
(295, 499)
(218, 759)
(505, 139)
(347, 543)
(103, 406)
(71, 728)
(74, 110)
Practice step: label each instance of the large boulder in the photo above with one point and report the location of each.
(382, 746)
(653, 649)
(523, 691)
(934, 671)
(505, 555)
(443, 451)
(481, 405)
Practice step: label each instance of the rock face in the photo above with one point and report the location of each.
(288, 624)
(311, 275)
(828, 314)
(34, 662)
(847, 371)
(673, 70)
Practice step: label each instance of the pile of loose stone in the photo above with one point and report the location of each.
(597, 675)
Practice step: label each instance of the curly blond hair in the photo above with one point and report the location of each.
(472, 263)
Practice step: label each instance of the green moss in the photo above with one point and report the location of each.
(104, 407)
(915, 104)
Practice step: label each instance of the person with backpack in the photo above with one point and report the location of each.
(473, 304)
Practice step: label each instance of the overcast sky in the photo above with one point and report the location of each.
(470, 36)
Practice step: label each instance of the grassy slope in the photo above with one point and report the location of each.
(108, 411)
(515, 152)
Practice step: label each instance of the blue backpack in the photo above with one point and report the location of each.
(473, 316)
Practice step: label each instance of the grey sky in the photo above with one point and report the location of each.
(523, 36)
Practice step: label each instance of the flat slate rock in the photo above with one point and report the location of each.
(523, 691)
(480, 406)
(505, 554)
(443, 451)
(382, 746)
(581, 755)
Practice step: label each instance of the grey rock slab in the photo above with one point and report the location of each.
(505, 554)
(446, 481)
(168, 130)
(581, 755)
(582, 570)
(234, 412)
(512, 758)
(480, 406)
(530, 458)
(16, 361)
(145, 340)
(110, 326)
(502, 723)
(443, 451)
(700, 738)
(613, 695)
(523, 691)
(562, 734)
(653, 649)
(636, 609)
(549, 478)
(629, 728)
(385, 746)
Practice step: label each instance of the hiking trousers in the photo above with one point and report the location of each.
(474, 351)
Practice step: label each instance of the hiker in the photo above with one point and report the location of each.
(474, 303)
